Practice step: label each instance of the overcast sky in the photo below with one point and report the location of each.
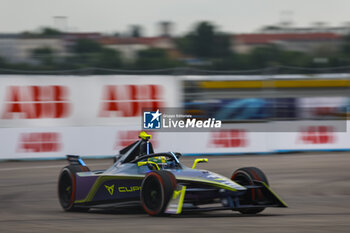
(116, 15)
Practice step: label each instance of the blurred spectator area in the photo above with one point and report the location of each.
(263, 98)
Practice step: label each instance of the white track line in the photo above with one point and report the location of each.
(44, 167)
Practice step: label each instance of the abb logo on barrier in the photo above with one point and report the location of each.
(128, 100)
(36, 102)
(125, 138)
(39, 142)
(229, 138)
(317, 135)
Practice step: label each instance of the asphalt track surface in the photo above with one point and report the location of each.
(315, 186)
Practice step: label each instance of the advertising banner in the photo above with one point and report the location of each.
(56, 142)
(48, 101)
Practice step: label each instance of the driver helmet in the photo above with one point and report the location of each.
(161, 161)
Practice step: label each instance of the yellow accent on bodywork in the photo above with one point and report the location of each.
(218, 179)
(213, 183)
(148, 162)
(181, 201)
(278, 198)
(176, 193)
(201, 160)
(144, 135)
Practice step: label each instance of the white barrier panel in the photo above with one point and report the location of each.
(56, 142)
(309, 135)
(47, 101)
(97, 141)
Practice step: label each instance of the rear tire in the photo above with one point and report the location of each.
(156, 191)
(67, 187)
(246, 176)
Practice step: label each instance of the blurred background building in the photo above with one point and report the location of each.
(203, 47)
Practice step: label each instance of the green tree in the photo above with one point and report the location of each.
(2, 61)
(205, 42)
(264, 56)
(86, 53)
(108, 58)
(47, 31)
(136, 31)
(86, 46)
(154, 58)
(343, 57)
(91, 53)
(222, 45)
(44, 32)
(45, 55)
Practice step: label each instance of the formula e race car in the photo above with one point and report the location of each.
(162, 185)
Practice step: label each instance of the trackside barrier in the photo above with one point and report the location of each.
(50, 116)
(56, 142)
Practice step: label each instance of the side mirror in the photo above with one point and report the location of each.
(148, 163)
(202, 160)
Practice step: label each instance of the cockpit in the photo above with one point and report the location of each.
(142, 153)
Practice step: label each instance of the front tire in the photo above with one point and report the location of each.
(156, 191)
(246, 176)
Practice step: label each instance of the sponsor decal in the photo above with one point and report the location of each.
(128, 100)
(317, 135)
(229, 138)
(123, 189)
(36, 102)
(110, 189)
(40, 142)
